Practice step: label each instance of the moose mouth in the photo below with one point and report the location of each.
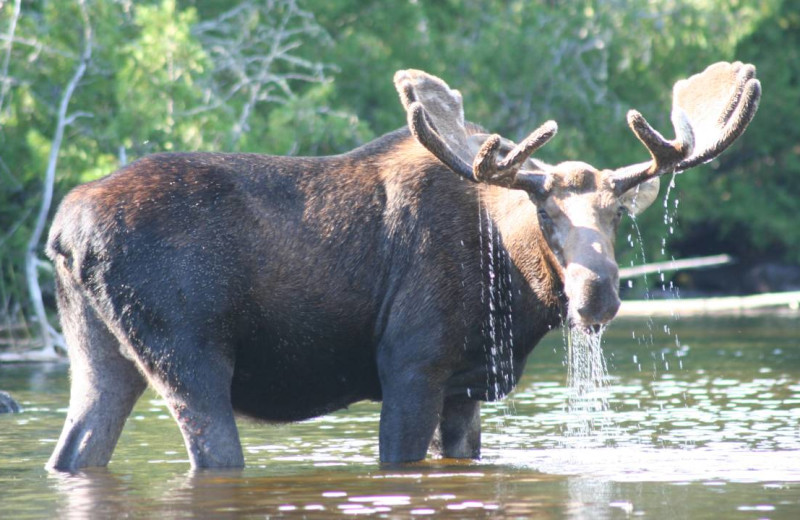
(593, 329)
(588, 328)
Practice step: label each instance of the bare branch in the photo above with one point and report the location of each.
(72, 117)
(12, 28)
(32, 260)
(253, 47)
(38, 46)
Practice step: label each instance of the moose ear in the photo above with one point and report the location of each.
(639, 198)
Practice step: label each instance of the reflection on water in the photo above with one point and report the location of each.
(703, 420)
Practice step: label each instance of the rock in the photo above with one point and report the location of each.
(772, 277)
(8, 404)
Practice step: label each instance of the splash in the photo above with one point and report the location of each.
(667, 288)
(669, 230)
(588, 385)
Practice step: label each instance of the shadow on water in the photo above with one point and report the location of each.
(702, 421)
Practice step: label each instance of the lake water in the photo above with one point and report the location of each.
(703, 422)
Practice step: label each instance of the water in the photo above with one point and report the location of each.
(496, 295)
(587, 384)
(704, 427)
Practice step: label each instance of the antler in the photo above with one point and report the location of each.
(709, 111)
(436, 119)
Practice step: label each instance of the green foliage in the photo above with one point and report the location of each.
(308, 124)
(583, 63)
(155, 80)
(205, 75)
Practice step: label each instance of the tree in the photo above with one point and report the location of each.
(63, 118)
(315, 77)
(251, 48)
(144, 74)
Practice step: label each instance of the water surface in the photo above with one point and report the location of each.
(703, 421)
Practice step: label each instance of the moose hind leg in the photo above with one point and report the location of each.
(104, 388)
(195, 381)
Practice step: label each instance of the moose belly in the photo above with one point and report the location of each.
(296, 379)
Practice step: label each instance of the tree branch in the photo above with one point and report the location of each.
(31, 258)
(72, 117)
(252, 47)
(12, 28)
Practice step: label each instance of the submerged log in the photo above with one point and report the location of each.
(8, 404)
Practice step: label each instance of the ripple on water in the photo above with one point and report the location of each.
(722, 462)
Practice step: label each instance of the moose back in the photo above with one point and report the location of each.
(420, 270)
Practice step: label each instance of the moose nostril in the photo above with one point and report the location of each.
(609, 276)
(586, 311)
(593, 292)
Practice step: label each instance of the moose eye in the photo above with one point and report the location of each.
(621, 212)
(544, 218)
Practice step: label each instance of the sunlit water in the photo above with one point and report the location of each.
(704, 426)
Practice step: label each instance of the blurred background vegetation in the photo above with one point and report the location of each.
(315, 77)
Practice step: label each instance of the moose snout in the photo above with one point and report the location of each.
(593, 294)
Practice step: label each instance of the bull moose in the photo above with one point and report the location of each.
(419, 270)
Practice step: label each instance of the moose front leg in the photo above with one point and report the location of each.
(460, 428)
(409, 416)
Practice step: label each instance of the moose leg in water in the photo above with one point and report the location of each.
(460, 428)
(409, 415)
(412, 399)
(104, 385)
(182, 346)
(198, 394)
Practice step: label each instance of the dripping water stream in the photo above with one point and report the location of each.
(497, 324)
(588, 382)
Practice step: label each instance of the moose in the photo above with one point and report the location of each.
(419, 270)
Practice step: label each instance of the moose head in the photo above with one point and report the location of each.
(579, 206)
